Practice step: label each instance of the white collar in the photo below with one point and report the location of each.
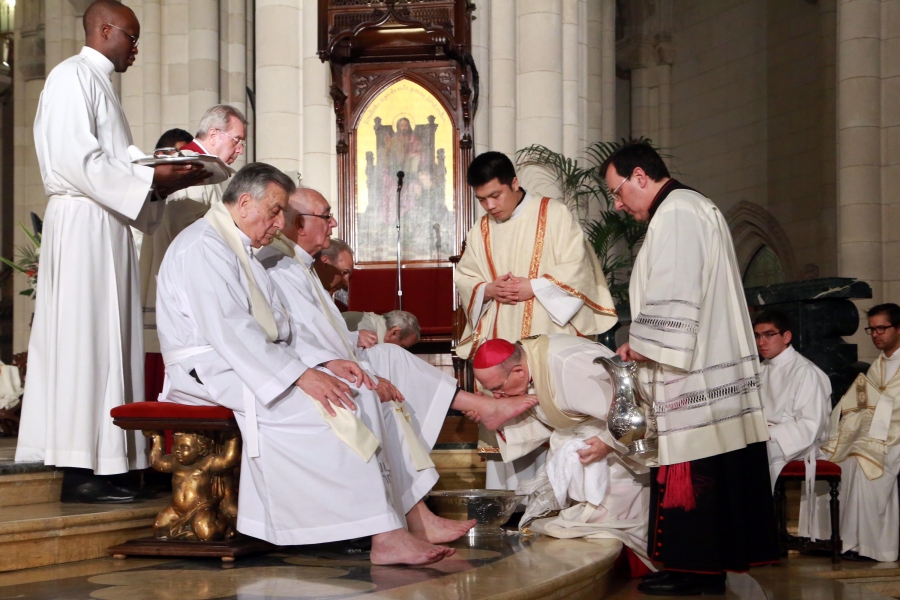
(101, 62)
(786, 355)
(891, 358)
(303, 256)
(244, 239)
(521, 206)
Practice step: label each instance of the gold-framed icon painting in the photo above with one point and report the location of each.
(405, 128)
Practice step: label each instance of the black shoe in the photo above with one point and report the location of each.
(655, 576)
(139, 493)
(856, 556)
(96, 492)
(675, 583)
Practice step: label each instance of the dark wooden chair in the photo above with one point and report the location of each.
(796, 471)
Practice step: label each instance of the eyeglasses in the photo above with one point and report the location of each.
(615, 192)
(767, 334)
(237, 143)
(499, 389)
(327, 217)
(879, 330)
(134, 38)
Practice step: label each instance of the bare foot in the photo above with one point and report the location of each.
(400, 547)
(427, 526)
(494, 412)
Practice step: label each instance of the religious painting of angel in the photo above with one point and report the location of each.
(405, 128)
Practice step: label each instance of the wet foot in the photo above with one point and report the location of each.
(400, 547)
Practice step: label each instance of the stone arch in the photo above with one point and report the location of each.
(753, 227)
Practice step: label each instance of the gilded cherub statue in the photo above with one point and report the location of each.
(204, 501)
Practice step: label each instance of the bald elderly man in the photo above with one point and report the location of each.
(586, 467)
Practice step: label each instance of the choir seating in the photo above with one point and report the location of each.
(796, 471)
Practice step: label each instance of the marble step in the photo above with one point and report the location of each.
(25, 487)
(53, 533)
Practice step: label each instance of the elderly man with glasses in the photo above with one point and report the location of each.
(86, 350)
(865, 441)
(221, 132)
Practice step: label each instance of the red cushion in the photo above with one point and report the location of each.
(824, 468)
(170, 410)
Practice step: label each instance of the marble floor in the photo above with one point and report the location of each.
(507, 567)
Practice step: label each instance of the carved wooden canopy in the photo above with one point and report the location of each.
(372, 46)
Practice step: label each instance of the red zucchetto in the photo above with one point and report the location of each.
(492, 353)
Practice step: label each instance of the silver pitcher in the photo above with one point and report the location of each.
(627, 420)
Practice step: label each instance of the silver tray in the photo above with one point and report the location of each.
(218, 170)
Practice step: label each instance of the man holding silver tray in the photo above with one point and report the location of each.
(86, 351)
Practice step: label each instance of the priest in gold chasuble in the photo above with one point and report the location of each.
(527, 268)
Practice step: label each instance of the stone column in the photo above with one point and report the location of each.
(131, 85)
(233, 59)
(174, 93)
(540, 78)
(481, 30)
(278, 83)
(502, 103)
(571, 78)
(203, 57)
(319, 168)
(151, 59)
(859, 142)
(608, 69)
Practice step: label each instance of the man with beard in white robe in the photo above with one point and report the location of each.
(711, 498)
(864, 440)
(321, 334)
(221, 133)
(86, 355)
(610, 492)
(796, 397)
(316, 465)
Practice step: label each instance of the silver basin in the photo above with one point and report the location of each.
(491, 508)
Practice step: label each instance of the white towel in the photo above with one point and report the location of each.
(570, 478)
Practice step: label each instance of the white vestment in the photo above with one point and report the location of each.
(797, 401)
(582, 390)
(304, 485)
(869, 507)
(86, 355)
(375, 323)
(543, 241)
(182, 208)
(320, 333)
(691, 321)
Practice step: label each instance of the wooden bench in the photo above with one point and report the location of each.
(206, 446)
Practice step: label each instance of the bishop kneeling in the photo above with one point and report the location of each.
(318, 454)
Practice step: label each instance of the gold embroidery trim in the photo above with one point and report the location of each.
(486, 237)
(590, 303)
(472, 299)
(533, 269)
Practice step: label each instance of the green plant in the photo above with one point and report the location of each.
(28, 262)
(613, 235)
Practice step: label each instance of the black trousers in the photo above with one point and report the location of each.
(733, 526)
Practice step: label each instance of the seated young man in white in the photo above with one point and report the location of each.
(586, 467)
(796, 395)
(316, 463)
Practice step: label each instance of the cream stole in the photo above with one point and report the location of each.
(420, 456)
